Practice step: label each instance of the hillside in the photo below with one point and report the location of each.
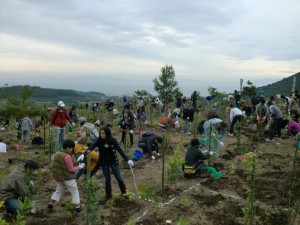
(283, 86)
(51, 95)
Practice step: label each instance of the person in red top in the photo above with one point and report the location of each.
(59, 121)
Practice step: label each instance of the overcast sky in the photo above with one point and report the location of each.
(120, 46)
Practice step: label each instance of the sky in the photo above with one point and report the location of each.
(119, 46)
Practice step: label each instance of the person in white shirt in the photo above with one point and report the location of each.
(2, 147)
(235, 115)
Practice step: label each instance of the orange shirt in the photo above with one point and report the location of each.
(167, 120)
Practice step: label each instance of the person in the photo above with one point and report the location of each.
(277, 121)
(286, 103)
(294, 107)
(63, 171)
(26, 127)
(261, 113)
(194, 157)
(212, 114)
(59, 120)
(143, 120)
(188, 118)
(88, 133)
(220, 127)
(200, 127)
(37, 122)
(124, 101)
(108, 160)
(169, 111)
(127, 124)
(73, 114)
(167, 122)
(3, 148)
(140, 106)
(194, 97)
(79, 149)
(235, 115)
(17, 186)
(149, 143)
(237, 98)
(293, 127)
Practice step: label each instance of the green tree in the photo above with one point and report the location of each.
(165, 84)
(249, 90)
(18, 104)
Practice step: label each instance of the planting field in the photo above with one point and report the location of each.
(194, 201)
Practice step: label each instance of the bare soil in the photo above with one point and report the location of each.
(195, 201)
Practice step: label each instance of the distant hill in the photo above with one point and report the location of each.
(283, 86)
(52, 96)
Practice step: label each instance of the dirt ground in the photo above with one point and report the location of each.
(191, 201)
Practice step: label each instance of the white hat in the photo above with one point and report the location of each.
(61, 104)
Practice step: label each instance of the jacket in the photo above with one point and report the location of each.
(60, 170)
(149, 140)
(108, 152)
(59, 118)
(193, 156)
(15, 185)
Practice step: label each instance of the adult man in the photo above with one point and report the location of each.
(277, 121)
(194, 157)
(188, 118)
(26, 127)
(16, 187)
(194, 97)
(59, 121)
(150, 142)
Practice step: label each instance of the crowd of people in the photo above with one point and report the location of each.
(104, 148)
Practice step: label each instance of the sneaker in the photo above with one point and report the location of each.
(77, 211)
(269, 140)
(230, 134)
(131, 145)
(279, 139)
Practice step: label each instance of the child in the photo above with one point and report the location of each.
(63, 172)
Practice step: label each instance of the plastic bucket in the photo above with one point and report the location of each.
(203, 141)
(137, 155)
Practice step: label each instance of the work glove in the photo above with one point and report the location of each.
(76, 142)
(31, 184)
(211, 153)
(131, 131)
(222, 143)
(33, 207)
(73, 124)
(123, 123)
(80, 158)
(152, 157)
(130, 163)
(158, 154)
(81, 165)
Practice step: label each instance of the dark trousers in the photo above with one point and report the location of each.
(275, 128)
(235, 119)
(116, 171)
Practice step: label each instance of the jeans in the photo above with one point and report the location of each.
(12, 205)
(186, 127)
(215, 142)
(235, 119)
(59, 138)
(25, 136)
(116, 171)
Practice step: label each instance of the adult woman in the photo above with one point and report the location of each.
(108, 159)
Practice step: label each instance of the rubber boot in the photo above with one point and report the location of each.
(108, 194)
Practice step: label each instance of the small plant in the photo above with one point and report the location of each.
(249, 166)
(69, 209)
(146, 192)
(174, 166)
(184, 201)
(231, 170)
(131, 222)
(92, 209)
(183, 221)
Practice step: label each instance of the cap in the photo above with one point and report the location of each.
(61, 104)
(82, 119)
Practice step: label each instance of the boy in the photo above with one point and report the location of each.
(63, 172)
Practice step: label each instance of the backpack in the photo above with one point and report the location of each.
(94, 133)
